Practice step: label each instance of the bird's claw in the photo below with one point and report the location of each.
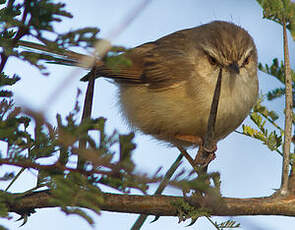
(205, 156)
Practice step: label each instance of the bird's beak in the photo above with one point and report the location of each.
(234, 67)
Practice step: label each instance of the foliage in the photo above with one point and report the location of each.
(36, 19)
(277, 70)
(31, 140)
(186, 211)
(227, 224)
(280, 11)
(260, 116)
(69, 185)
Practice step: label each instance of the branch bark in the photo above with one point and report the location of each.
(288, 115)
(161, 205)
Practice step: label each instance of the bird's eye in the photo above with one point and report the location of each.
(246, 61)
(212, 60)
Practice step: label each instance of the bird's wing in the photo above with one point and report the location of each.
(160, 64)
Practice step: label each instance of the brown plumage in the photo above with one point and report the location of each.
(168, 89)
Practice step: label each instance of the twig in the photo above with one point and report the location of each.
(87, 108)
(272, 122)
(205, 154)
(209, 138)
(53, 167)
(141, 219)
(15, 178)
(288, 115)
(185, 154)
(211, 221)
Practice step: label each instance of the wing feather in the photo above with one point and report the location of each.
(158, 63)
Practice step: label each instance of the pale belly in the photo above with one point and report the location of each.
(167, 113)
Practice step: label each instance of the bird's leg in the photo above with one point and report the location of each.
(205, 154)
(196, 140)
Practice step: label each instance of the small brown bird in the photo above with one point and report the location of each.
(168, 89)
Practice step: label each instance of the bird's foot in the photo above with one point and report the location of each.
(205, 155)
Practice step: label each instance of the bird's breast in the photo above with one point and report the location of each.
(178, 111)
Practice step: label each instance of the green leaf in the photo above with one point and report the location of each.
(4, 198)
(260, 109)
(80, 212)
(227, 224)
(185, 211)
(260, 116)
(7, 81)
(85, 37)
(44, 13)
(277, 70)
(126, 148)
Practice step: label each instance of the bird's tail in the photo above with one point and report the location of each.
(61, 56)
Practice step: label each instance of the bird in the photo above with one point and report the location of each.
(166, 91)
